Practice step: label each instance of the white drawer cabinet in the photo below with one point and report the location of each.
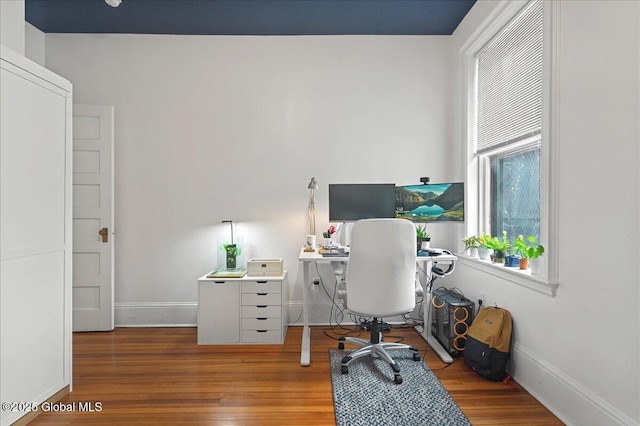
(264, 310)
(243, 310)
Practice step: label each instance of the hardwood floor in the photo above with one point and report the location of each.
(161, 376)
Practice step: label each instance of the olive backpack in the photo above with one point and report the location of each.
(487, 348)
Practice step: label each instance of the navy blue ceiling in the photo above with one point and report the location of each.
(249, 17)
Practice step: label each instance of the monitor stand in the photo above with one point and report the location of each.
(344, 234)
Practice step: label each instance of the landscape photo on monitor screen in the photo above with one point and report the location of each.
(435, 202)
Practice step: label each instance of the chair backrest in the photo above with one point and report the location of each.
(381, 272)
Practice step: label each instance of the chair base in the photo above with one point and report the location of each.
(377, 349)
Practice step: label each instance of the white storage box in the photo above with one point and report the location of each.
(270, 267)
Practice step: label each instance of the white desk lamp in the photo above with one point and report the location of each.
(311, 228)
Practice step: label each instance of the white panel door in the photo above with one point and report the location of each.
(93, 276)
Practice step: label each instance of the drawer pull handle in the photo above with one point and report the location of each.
(219, 282)
(261, 331)
(261, 306)
(261, 282)
(262, 294)
(261, 319)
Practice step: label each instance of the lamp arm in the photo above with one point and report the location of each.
(230, 222)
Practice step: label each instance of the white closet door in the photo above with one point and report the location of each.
(35, 233)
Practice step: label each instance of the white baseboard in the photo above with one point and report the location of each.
(565, 398)
(155, 314)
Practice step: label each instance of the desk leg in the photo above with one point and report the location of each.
(426, 330)
(305, 350)
(438, 349)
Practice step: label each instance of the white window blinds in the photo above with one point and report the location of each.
(510, 82)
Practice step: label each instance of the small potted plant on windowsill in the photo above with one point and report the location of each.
(528, 249)
(510, 258)
(471, 244)
(423, 237)
(498, 245)
(484, 252)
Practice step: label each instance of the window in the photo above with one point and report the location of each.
(515, 193)
(509, 125)
(510, 66)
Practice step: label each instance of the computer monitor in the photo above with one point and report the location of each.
(434, 202)
(355, 201)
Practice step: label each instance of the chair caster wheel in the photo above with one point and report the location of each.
(416, 357)
(397, 380)
(341, 346)
(344, 369)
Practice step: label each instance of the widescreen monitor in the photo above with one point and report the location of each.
(355, 201)
(434, 202)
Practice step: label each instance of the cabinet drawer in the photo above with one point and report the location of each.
(268, 336)
(254, 324)
(261, 287)
(261, 299)
(261, 312)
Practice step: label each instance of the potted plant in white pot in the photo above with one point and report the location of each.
(483, 251)
(471, 245)
(423, 237)
(528, 250)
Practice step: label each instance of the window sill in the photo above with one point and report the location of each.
(520, 277)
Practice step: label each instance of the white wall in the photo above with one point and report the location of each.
(578, 352)
(19, 35)
(215, 128)
(12, 25)
(34, 44)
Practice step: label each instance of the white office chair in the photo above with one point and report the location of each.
(380, 282)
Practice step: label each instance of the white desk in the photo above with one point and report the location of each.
(307, 258)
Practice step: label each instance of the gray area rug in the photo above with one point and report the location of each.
(368, 396)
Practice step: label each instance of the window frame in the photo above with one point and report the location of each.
(477, 166)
